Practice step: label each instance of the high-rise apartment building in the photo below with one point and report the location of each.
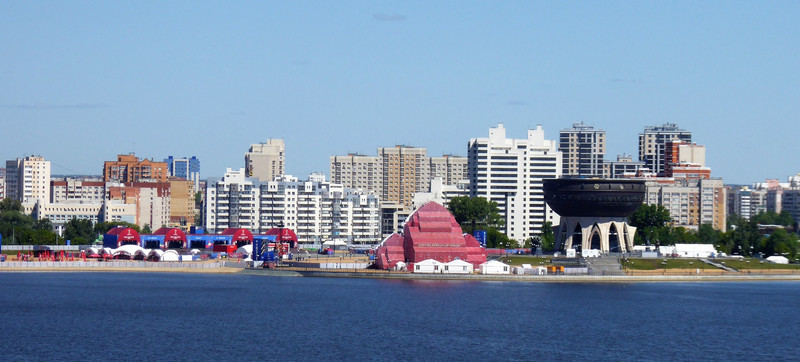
(186, 168)
(28, 180)
(128, 168)
(653, 144)
(510, 172)
(397, 173)
(691, 202)
(450, 169)
(358, 172)
(780, 196)
(266, 160)
(181, 206)
(746, 202)
(405, 171)
(583, 148)
(315, 209)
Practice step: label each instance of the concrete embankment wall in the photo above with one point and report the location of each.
(524, 278)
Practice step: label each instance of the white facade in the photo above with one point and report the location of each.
(510, 172)
(28, 180)
(428, 266)
(316, 211)
(441, 193)
(458, 267)
(494, 267)
(689, 250)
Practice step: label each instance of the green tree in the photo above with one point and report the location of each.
(496, 239)
(10, 205)
(16, 227)
(651, 222)
(146, 229)
(780, 242)
(80, 232)
(530, 243)
(475, 213)
(547, 237)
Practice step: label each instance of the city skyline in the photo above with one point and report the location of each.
(86, 82)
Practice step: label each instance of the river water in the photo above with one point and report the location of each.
(155, 316)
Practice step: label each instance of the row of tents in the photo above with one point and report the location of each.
(135, 252)
(457, 266)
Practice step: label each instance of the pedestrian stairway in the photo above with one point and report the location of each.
(604, 265)
(718, 265)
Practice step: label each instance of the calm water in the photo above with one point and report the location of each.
(128, 316)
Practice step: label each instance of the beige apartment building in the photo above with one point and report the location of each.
(397, 173)
(181, 205)
(266, 160)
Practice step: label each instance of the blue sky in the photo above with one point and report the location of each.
(85, 81)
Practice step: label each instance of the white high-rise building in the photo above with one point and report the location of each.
(28, 180)
(510, 172)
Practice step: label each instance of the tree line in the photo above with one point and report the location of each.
(18, 228)
(777, 235)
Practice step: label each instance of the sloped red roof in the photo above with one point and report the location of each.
(125, 234)
(238, 234)
(171, 234)
(282, 234)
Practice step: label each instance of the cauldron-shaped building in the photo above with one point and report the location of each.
(594, 212)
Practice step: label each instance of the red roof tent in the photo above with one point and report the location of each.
(239, 235)
(172, 235)
(283, 235)
(123, 236)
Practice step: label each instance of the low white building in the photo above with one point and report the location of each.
(494, 267)
(689, 250)
(428, 266)
(458, 266)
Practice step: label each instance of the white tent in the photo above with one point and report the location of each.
(155, 254)
(428, 266)
(129, 250)
(458, 266)
(494, 267)
(335, 245)
(246, 251)
(778, 259)
(170, 255)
